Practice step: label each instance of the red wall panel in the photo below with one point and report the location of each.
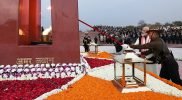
(65, 47)
(24, 22)
(34, 20)
(65, 25)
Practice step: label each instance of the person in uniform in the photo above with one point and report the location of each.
(86, 42)
(118, 46)
(169, 67)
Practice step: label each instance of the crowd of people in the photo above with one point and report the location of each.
(129, 35)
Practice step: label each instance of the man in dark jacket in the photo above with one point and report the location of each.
(118, 46)
(86, 42)
(162, 54)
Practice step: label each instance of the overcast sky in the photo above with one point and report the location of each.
(124, 12)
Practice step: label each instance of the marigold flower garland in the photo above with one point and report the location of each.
(162, 79)
(105, 55)
(90, 88)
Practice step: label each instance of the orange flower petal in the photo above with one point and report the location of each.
(90, 88)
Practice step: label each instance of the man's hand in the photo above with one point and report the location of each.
(132, 46)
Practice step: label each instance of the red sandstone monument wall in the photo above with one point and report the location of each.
(15, 48)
